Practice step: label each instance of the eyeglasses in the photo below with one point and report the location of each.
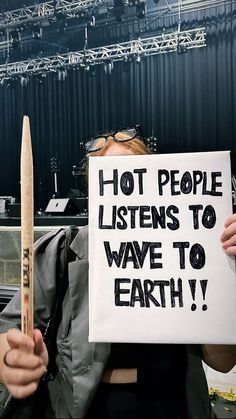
(98, 142)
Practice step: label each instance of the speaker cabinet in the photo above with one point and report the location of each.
(81, 204)
(14, 210)
(61, 206)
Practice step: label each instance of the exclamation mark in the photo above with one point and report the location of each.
(203, 283)
(192, 284)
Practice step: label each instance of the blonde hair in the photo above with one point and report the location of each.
(136, 145)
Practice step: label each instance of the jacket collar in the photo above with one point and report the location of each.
(80, 243)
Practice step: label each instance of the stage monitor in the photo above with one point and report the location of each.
(61, 206)
(14, 210)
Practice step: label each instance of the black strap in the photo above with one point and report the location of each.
(50, 333)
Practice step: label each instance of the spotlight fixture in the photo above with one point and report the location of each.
(152, 143)
(61, 22)
(15, 38)
(181, 49)
(37, 32)
(91, 22)
(108, 67)
(141, 10)
(61, 74)
(24, 80)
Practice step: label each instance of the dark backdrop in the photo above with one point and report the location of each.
(186, 100)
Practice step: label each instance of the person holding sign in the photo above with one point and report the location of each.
(102, 380)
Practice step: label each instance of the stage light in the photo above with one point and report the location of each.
(24, 80)
(141, 10)
(15, 39)
(91, 22)
(108, 67)
(61, 74)
(61, 22)
(37, 32)
(181, 49)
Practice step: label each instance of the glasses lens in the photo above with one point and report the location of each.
(95, 144)
(122, 135)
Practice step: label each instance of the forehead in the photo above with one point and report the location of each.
(118, 149)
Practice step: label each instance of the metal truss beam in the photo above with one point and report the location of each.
(71, 8)
(26, 14)
(167, 42)
(50, 9)
(188, 6)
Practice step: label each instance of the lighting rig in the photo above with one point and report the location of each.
(50, 10)
(131, 50)
(41, 17)
(73, 8)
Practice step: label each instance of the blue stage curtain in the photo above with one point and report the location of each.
(188, 101)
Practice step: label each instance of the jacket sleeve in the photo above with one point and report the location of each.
(48, 256)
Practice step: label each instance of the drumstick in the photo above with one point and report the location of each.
(27, 230)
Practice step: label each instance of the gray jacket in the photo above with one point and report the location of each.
(80, 363)
(76, 382)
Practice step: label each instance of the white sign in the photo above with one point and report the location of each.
(157, 269)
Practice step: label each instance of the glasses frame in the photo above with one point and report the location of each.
(138, 134)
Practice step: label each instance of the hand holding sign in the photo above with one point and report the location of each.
(228, 237)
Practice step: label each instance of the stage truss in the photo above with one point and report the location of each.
(179, 41)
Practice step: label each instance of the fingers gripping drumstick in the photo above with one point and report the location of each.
(27, 230)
